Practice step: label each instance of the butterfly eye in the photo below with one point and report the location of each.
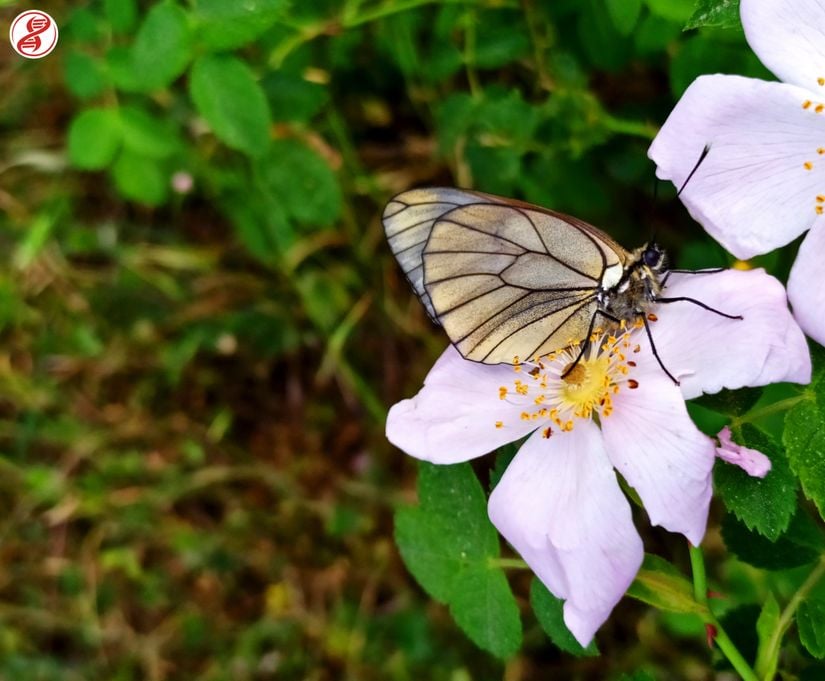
(652, 256)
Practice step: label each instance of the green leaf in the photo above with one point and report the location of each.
(162, 47)
(453, 492)
(767, 653)
(484, 607)
(431, 559)
(229, 24)
(94, 138)
(140, 179)
(811, 622)
(293, 98)
(549, 612)
(302, 182)
(121, 14)
(660, 584)
(147, 135)
(730, 402)
(672, 10)
(804, 438)
(227, 95)
(84, 75)
(795, 547)
(719, 13)
(501, 38)
(449, 545)
(624, 14)
(762, 504)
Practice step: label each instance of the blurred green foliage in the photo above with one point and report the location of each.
(203, 328)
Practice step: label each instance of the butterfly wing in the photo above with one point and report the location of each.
(510, 280)
(505, 278)
(408, 220)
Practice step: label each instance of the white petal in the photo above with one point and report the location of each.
(708, 352)
(653, 443)
(752, 192)
(789, 37)
(454, 416)
(805, 288)
(560, 506)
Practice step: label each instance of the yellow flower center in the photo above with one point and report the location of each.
(563, 387)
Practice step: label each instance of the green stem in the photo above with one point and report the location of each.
(768, 410)
(700, 591)
(632, 128)
(516, 563)
(790, 610)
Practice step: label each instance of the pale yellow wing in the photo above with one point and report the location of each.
(408, 220)
(513, 280)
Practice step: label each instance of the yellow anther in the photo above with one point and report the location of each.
(525, 416)
(807, 104)
(819, 210)
(808, 165)
(819, 108)
(820, 198)
(499, 424)
(502, 392)
(820, 150)
(820, 80)
(547, 432)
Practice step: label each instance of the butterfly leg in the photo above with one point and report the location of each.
(700, 304)
(655, 352)
(709, 270)
(586, 342)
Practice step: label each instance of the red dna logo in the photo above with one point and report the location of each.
(31, 43)
(33, 34)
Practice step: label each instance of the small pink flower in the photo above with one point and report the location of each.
(182, 182)
(559, 503)
(754, 463)
(762, 183)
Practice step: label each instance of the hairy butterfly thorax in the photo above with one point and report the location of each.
(639, 287)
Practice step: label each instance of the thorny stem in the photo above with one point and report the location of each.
(700, 592)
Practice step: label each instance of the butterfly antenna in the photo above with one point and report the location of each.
(702, 157)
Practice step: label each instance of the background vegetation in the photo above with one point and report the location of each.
(202, 326)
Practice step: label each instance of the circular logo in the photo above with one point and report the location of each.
(33, 34)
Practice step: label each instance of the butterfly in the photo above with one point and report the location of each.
(509, 281)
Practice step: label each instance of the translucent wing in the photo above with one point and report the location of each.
(408, 220)
(512, 280)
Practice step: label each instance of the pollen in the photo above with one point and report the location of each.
(808, 165)
(574, 384)
(652, 317)
(819, 108)
(807, 104)
(499, 424)
(820, 80)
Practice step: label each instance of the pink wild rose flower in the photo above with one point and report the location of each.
(559, 503)
(762, 183)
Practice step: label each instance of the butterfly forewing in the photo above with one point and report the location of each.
(408, 220)
(504, 278)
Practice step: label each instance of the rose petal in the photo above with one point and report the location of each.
(788, 36)
(708, 352)
(805, 289)
(453, 417)
(752, 192)
(560, 506)
(654, 444)
(754, 463)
